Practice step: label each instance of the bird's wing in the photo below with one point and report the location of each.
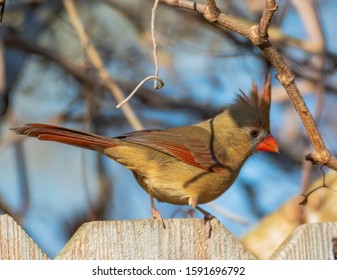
(186, 148)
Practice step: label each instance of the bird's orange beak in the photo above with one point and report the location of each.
(268, 144)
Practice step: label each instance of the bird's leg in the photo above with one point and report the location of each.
(155, 212)
(207, 216)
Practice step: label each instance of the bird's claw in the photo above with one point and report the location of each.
(207, 219)
(208, 226)
(156, 216)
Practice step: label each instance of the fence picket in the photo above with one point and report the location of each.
(148, 240)
(308, 242)
(15, 244)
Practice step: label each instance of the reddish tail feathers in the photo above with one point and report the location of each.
(64, 135)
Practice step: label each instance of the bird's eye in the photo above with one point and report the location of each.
(254, 133)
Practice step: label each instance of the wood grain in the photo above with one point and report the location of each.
(308, 242)
(15, 244)
(147, 240)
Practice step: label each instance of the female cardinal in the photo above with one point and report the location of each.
(183, 165)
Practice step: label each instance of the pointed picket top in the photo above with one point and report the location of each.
(309, 242)
(148, 240)
(15, 244)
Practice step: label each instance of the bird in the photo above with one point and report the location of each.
(184, 165)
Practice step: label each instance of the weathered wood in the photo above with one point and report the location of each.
(308, 242)
(15, 244)
(269, 233)
(146, 239)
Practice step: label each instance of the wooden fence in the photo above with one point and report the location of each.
(182, 239)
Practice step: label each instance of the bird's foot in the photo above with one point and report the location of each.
(156, 216)
(207, 219)
(208, 226)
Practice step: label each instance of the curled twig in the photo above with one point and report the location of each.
(161, 84)
(306, 196)
(154, 52)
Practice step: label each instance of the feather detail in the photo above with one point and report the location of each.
(188, 150)
(47, 132)
(254, 96)
(191, 151)
(253, 110)
(266, 100)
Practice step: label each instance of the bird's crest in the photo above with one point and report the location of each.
(253, 110)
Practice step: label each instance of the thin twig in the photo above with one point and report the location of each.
(310, 18)
(154, 43)
(154, 52)
(270, 9)
(306, 196)
(161, 84)
(97, 62)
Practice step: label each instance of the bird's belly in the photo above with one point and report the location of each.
(179, 187)
(169, 179)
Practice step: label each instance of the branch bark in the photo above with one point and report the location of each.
(258, 35)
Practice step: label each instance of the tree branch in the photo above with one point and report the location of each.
(270, 8)
(97, 62)
(258, 35)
